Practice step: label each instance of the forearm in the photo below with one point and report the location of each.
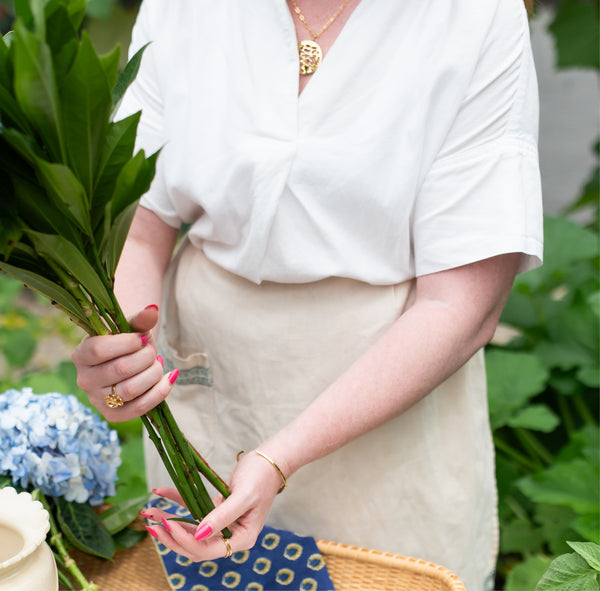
(423, 347)
(144, 261)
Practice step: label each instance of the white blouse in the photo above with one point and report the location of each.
(412, 149)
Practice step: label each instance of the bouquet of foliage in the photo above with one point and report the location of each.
(70, 186)
(67, 457)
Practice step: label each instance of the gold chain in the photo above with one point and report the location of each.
(325, 26)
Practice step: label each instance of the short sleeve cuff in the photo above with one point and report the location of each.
(479, 205)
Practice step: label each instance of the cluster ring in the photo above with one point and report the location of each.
(228, 551)
(113, 400)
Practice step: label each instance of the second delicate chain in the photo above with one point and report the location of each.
(325, 26)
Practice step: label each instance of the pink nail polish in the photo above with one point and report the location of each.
(144, 514)
(173, 376)
(151, 307)
(144, 339)
(155, 491)
(152, 532)
(166, 525)
(161, 360)
(203, 531)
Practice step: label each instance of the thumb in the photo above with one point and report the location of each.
(145, 320)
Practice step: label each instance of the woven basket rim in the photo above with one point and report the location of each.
(394, 561)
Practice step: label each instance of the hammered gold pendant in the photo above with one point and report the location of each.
(310, 55)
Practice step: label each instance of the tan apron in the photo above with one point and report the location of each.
(251, 357)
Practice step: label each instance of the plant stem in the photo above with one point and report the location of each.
(530, 441)
(583, 410)
(565, 413)
(525, 462)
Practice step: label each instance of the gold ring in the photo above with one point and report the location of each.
(113, 400)
(228, 553)
(240, 454)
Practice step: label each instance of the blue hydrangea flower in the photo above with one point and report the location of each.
(54, 443)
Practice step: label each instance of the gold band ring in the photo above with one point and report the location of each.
(113, 400)
(228, 552)
(240, 454)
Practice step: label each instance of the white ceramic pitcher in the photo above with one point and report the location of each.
(26, 561)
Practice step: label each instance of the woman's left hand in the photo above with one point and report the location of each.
(254, 484)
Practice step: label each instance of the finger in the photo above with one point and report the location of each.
(99, 349)
(145, 320)
(132, 376)
(170, 493)
(142, 404)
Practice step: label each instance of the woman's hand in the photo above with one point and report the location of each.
(128, 362)
(254, 484)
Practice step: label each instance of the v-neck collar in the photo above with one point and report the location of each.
(348, 25)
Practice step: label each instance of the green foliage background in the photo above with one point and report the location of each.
(543, 383)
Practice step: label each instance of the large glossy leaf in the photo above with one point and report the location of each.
(66, 255)
(84, 529)
(569, 572)
(10, 112)
(110, 64)
(5, 65)
(114, 239)
(513, 378)
(63, 41)
(127, 76)
(35, 88)
(48, 289)
(573, 484)
(59, 181)
(119, 516)
(117, 149)
(86, 100)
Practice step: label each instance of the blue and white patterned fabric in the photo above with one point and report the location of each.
(280, 560)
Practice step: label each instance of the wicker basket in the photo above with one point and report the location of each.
(350, 569)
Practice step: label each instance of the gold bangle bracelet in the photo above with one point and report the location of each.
(283, 479)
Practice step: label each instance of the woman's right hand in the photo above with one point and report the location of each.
(129, 362)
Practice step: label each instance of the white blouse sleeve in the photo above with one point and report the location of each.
(482, 195)
(145, 94)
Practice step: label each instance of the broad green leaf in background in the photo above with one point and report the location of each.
(525, 575)
(575, 484)
(575, 31)
(569, 572)
(18, 346)
(84, 529)
(537, 417)
(588, 527)
(513, 378)
(520, 535)
(129, 537)
(127, 76)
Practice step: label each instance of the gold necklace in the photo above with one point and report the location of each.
(309, 52)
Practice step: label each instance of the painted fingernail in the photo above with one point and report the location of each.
(166, 524)
(161, 360)
(151, 307)
(203, 531)
(152, 532)
(155, 491)
(144, 339)
(144, 514)
(173, 376)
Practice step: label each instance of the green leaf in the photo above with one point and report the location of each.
(62, 184)
(127, 76)
(35, 88)
(568, 572)
(589, 375)
(589, 551)
(48, 289)
(84, 529)
(588, 527)
(525, 575)
(110, 64)
(86, 101)
(537, 417)
(100, 9)
(519, 535)
(556, 525)
(117, 149)
(111, 249)
(574, 484)
(129, 537)
(513, 378)
(19, 347)
(575, 31)
(119, 516)
(10, 112)
(67, 256)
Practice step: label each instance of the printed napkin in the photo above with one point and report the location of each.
(280, 560)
